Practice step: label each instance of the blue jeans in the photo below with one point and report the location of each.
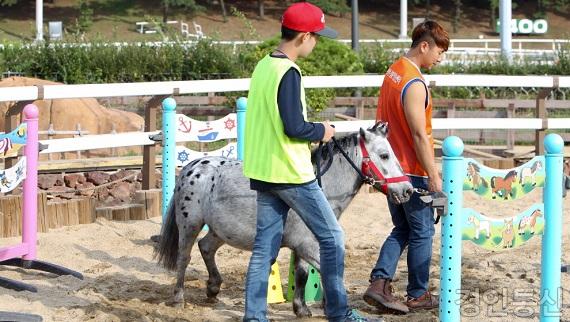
(413, 227)
(272, 207)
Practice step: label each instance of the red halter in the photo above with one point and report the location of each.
(373, 176)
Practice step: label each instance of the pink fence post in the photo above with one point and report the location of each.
(30, 193)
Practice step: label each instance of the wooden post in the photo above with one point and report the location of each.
(510, 132)
(450, 115)
(540, 112)
(113, 131)
(151, 199)
(149, 151)
(50, 135)
(78, 129)
(42, 213)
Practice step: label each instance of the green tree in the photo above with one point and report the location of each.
(332, 6)
(190, 5)
(7, 3)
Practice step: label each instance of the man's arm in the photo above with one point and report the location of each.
(291, 111)
(414, 109)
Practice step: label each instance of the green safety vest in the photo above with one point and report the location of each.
(269, 154)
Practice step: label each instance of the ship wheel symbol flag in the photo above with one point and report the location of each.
(230, 124)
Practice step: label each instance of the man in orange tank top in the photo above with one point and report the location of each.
(405, 103)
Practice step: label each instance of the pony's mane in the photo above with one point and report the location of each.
(345, 142)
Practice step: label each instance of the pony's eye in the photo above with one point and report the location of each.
(384, 156)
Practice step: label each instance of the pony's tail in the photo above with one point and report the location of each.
(167, 251)
(493, 182)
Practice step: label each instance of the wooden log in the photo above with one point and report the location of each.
(42, 213)
(103, 212)
(51, 215)
(61, 214)
(12, 219)
(120, 213)
(137, 212)
(72, 212)
(86, 211)
(152, 201)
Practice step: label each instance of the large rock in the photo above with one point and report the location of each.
(65, 114)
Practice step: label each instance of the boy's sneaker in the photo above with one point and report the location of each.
(354, 316)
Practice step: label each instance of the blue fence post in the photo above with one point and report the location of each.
(550, 290)
(168, 152)
(241, 107)
(454, 172)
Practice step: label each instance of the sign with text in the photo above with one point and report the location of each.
(526, 26)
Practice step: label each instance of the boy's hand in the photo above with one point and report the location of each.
(329, 131)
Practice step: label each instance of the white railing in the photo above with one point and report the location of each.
(88, 142)
(26, 93)
(482, 46)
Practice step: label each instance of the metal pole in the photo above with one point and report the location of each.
(355, 45)
(403, 19)
(39, 20)
(30, 192)
(505, 16)
(450, 264)
(241, 108)
(168, 153)
(550, 288)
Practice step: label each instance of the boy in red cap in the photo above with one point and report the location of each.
(277, 159)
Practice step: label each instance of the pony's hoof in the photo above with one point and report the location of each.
(178, 305)
(212, 300)
(212, 293)
(303, 312)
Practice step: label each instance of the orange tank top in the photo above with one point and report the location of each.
(391, 109)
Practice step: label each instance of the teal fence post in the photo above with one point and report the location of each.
(550, 290)
(240, 109)
(454, 172)
(168, 152)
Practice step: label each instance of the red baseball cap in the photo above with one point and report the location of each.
(306, 17)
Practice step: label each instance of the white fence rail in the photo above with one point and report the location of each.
(88, 142)
(463, 49)
(26, 93)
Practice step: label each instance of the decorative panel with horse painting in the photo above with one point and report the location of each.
(498, 234)
(508, 184)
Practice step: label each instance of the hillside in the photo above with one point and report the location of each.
(115, 20)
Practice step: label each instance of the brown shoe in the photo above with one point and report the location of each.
(379, 294)
(425, 302)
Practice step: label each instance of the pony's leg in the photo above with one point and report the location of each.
(187, 236)
(208, 246)
(301, 275)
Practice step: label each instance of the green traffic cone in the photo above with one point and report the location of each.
(313, 288)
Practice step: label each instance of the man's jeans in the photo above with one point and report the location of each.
(313, 208)
(413, 227)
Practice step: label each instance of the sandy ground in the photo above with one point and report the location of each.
(123, 283)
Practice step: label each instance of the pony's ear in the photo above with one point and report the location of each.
(380, 128)
(363, 135)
